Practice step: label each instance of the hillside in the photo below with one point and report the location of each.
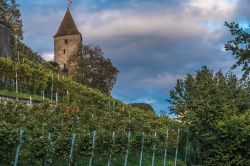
(80, 110)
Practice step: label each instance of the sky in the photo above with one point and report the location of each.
(152, 42)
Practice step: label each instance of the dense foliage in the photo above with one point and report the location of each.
(80, 110)
(11, 16)
(210, 104)
(35, 79)
(62, 121)
(143, 106)
(240, 47)
(23, 53)
(90, 67)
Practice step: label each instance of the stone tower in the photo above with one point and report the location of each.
(66, 41)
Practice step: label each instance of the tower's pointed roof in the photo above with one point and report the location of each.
(68, 26)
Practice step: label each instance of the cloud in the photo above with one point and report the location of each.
(163, 80)
(242, 10)
(151, 42)
(48, 56)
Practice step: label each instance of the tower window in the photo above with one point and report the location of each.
(64, 51)
(66, 41)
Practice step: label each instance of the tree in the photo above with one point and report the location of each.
(89, 67)
(11, 16)
(205, 102)
(240, 47)
(27, 54)
(143, 106)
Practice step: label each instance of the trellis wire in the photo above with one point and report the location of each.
(30, 101)
(18, 56)
(186, 151)
(56, 98)
(62, 121)
(43, 129)
(52, 86)
(126, 156)
(142, 148)
(166, 151)
(67, 95)
(177, 147)
(109, 105)
(93, 148)
(19, 146)
(113, 108)
(72, 148)
(49, 137)
(16, 84)
(47, 153)
(43, 95)
(48, 159)
(154, 149)
(111, 151)
(16, 45)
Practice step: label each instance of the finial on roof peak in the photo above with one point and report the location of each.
(69, 3)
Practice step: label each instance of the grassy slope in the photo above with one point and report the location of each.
(26, 96)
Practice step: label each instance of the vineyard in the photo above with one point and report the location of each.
(53, 131)
(78, 125)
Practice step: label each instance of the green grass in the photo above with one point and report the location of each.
(6, 92)
(133, 160)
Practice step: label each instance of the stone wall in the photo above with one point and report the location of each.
(4, 40)
(65, 47)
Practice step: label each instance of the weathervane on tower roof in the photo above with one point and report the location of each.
(69, 3)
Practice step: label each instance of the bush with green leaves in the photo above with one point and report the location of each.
(215, 107)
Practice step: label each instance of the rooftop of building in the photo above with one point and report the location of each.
(68, 26)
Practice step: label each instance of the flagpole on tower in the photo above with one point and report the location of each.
(69, 2)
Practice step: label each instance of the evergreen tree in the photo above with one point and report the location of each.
(240, 47)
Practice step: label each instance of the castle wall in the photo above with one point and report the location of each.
(4, 40)
(65, 49)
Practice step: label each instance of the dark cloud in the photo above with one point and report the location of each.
(97, 5)
(151, 42)
(242, 10)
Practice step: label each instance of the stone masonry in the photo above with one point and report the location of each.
(65, 47)
(66, 41)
